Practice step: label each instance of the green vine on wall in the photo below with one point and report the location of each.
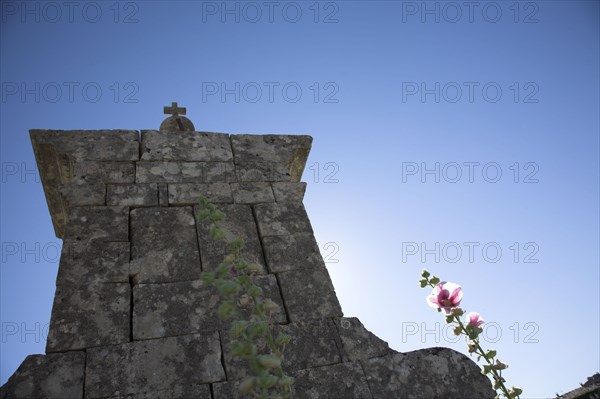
(253, 337)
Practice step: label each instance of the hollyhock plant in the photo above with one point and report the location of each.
(445, 296)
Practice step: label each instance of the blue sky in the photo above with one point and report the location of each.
(469, 133)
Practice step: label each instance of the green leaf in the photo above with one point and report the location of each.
(423, 283)
(254, 291)
(425, 274)
(266, 381)
(207, 277)
(434, 280)
(226, 310)
(228, 287)
(238, 328)
(271, 361)
(217, 216)
(449, 319)
(236, 245)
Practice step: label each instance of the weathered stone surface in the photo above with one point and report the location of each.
(185, 172)
(275, 157)
(357, 342)
(252, 193)
(177, 392)
(97, 223)
(57, 152)
(96, 262)
(289, 191)
(291, 252)
(270, 148)
(132, 194)
(279, 219)
(238, 223)
(162, 310)
(163, 194)
(219, 172)
(166, 364)
(427, 374)
(85, 315)
(263, 172)
(103, 172)
(314, 344)
(169, 172)
(90, 145)
(339, 381)
(185, 146)
(309, 294)
(164, 246)
(83, 194)
(189, 193)
(53, 376)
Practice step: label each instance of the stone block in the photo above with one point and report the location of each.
(150, 366)
(289, 191)
(162, 310)
(339, 381)
(263, 172)
(314, 344)
(97, 223)
(269, 147)
(252, 193)
(90, 145)
(185, 146)
(279, 219)
(87, 194)
(169, 172)
(85, 316)
(189, 193)
(96, 262)
(53, 376)
(357, 342)
(309, 294)
(103, 172)
(291, 252)
(132, 195)
(238, 223)
(164, 246)
(427, 374)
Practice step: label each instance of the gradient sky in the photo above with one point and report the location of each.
(388, 90)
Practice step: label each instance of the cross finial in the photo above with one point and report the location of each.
(174, 110)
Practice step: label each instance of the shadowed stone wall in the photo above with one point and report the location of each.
(131, 319)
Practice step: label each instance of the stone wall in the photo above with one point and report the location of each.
(131, 319)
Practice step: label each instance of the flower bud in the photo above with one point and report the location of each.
(244, 300)
(247, 385)
(254, 268)
(270, 306)
(471, 347)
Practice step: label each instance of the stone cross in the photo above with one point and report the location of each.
(174, 110)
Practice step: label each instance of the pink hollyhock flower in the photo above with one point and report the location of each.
(474, 319)
(445, 296)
